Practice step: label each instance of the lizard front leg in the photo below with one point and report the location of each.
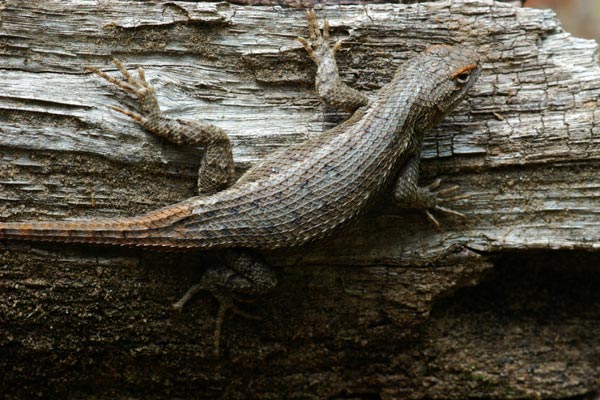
(217, 170)
(329, 86)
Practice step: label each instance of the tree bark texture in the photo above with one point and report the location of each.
(503, 304)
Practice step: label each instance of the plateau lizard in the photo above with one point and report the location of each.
(298, 195)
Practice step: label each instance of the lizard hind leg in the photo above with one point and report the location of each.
(240, 274)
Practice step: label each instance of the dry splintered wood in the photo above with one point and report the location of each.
(378, 312)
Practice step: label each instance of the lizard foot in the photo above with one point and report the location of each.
(243, 275)
(331, 89)
(226, 303)
(138, 86)
(432, 195)
(317, 46)
(428, 199)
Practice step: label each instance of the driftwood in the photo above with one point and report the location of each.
(387, 308)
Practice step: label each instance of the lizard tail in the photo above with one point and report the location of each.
(145, 230)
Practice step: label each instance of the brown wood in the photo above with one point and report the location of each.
(383, 310)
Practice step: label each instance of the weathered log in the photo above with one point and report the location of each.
(383, 310)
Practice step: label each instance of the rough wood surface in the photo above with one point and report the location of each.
(352, 318)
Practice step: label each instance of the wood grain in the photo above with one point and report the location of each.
(353, 317)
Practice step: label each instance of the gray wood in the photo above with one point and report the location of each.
(352, 317)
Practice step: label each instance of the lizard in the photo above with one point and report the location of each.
(298, 195)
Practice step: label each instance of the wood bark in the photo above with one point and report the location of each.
(501, 305)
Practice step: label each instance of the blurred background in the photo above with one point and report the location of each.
(579, 17)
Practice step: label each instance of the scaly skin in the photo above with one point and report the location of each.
(298, 195)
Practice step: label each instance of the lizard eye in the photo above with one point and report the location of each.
(461, 75)
(462, 78)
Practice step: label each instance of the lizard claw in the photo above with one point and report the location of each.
(317, 46)
(432, 219)
(428, 199)
(226, 303)
(433, 195)
(138, 86)
(137, 117)
(435, 184)
(450, 211)
(178, 305)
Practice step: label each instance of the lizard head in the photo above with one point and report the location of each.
(447, 74)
